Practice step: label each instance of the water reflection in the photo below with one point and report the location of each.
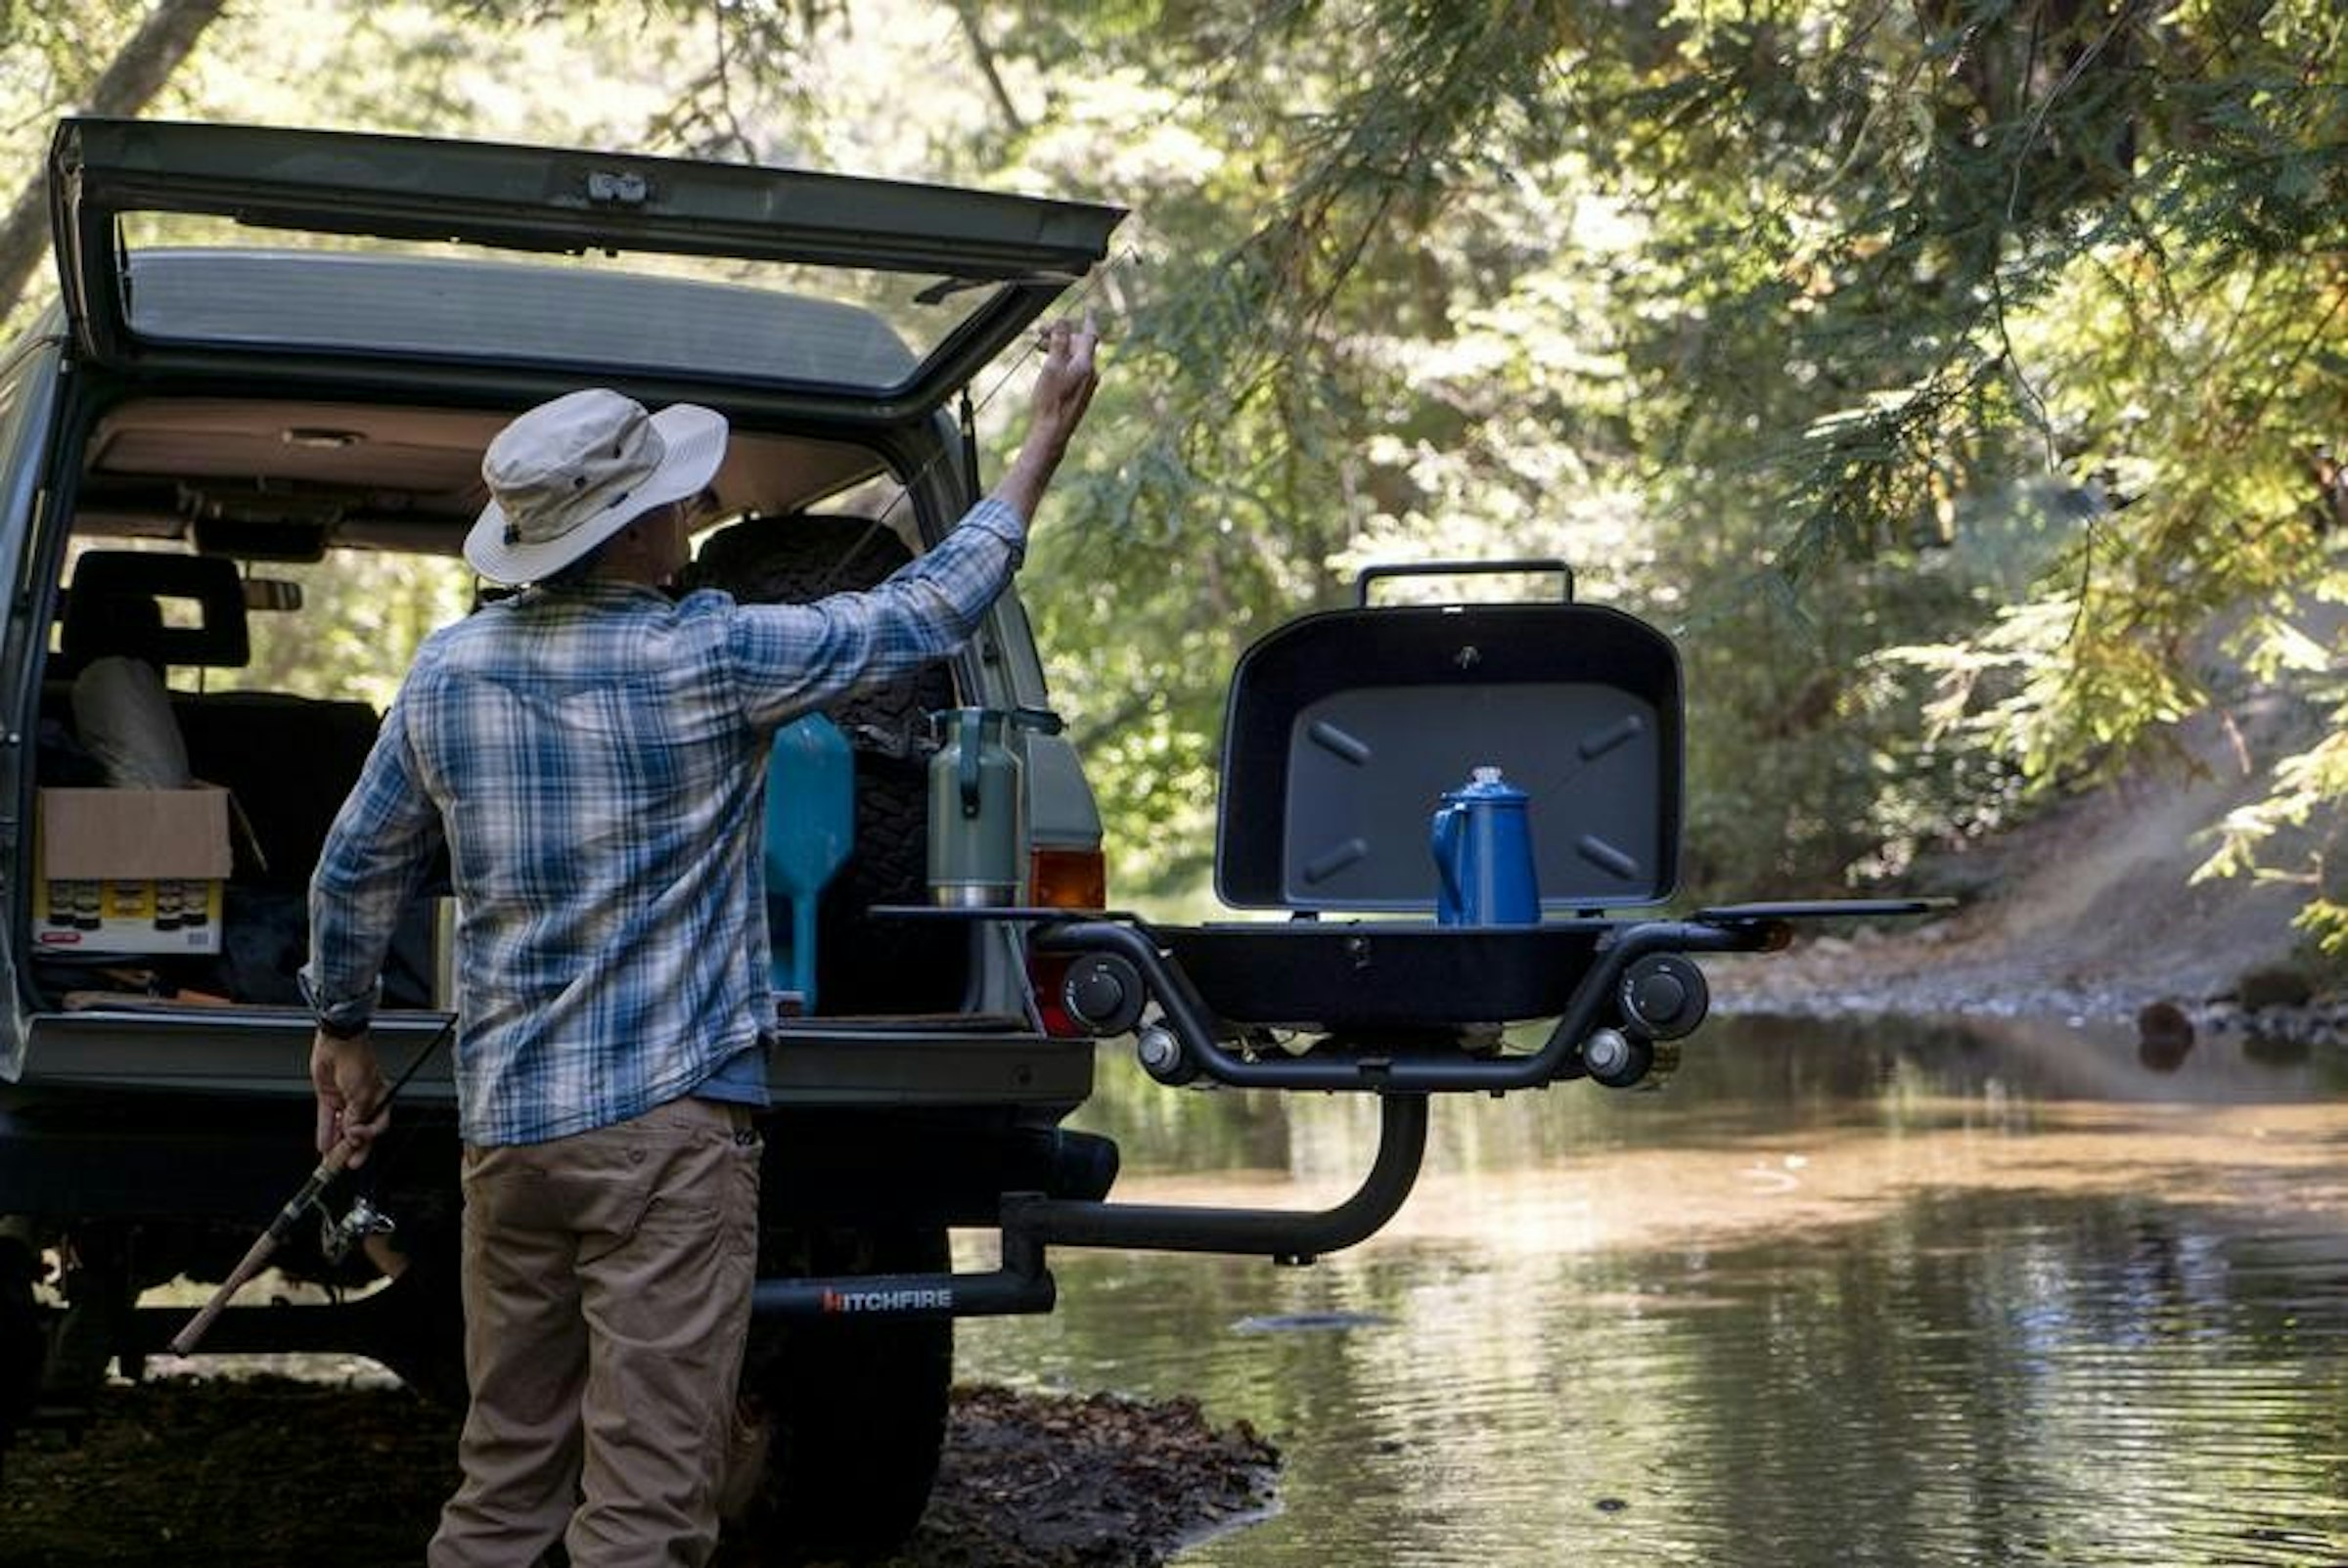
(1989, 1294)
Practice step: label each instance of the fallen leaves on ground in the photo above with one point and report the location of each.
(272, 1471)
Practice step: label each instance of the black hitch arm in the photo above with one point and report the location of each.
(1030, 1223)
(1283, 1234)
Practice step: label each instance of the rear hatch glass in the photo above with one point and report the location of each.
(882, 294)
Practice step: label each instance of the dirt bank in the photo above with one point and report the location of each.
(276, 1473)
(2091, 909)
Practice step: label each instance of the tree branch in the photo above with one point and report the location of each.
(129, 82)
(984, 55)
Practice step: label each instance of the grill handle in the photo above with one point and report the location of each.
(1465, 568)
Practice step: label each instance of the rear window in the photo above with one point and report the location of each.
(346, 627)
(791, 326)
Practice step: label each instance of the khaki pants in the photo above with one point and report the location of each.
(607, 1297)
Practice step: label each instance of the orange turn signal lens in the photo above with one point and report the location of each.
(1067, 878)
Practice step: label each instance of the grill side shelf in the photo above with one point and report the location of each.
(1377, 1049)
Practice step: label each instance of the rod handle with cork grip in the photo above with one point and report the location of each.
(256, 1257)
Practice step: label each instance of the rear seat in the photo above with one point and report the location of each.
(286, 761)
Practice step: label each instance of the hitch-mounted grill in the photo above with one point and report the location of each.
(1342, 732)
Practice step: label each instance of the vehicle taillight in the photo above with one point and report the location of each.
(1067, 880)
(1063, 879)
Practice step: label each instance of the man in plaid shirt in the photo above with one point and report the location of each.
(591, 753)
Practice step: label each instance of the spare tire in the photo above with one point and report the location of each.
(863, 966)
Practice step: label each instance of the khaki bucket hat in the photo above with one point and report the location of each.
(571, 474)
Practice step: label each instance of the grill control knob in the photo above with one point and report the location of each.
(1103, 992)
(1659, 995)
(1664, 996)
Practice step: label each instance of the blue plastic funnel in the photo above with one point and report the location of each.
(810, 829)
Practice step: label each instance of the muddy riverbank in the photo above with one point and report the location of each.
(273, 1472)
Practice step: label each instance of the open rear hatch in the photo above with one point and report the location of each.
(941, 279)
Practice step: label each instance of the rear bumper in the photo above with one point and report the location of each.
(185, 1114)
(263, 1054)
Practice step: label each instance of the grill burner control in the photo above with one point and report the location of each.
(1664, 996)
(1103, 992)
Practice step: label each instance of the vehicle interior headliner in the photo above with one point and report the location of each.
(286, 478)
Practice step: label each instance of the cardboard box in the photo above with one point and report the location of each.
(131, 870)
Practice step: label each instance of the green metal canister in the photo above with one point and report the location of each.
(978, 811)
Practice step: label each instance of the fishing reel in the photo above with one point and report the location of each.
(338, 1237)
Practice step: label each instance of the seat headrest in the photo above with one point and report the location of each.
(116, 603)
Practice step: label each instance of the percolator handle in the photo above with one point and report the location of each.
(1443, 838)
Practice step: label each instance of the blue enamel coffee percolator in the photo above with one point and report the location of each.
(1483, 848)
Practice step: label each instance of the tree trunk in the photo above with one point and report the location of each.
(129, 82)
(967, 14)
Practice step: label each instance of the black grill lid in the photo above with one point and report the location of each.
(1344, 729)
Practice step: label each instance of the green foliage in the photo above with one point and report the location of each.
(1946, 374)
(361, 622)
(1960, 380)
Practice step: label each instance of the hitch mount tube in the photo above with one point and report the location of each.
(1031, 1223)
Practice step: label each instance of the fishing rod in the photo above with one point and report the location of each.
(297, 1208)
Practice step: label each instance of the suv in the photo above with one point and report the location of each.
(277, 360)
(210, 450)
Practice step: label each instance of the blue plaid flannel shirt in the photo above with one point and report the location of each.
(595, 757)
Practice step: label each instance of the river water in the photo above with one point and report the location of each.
(1981, 1292)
